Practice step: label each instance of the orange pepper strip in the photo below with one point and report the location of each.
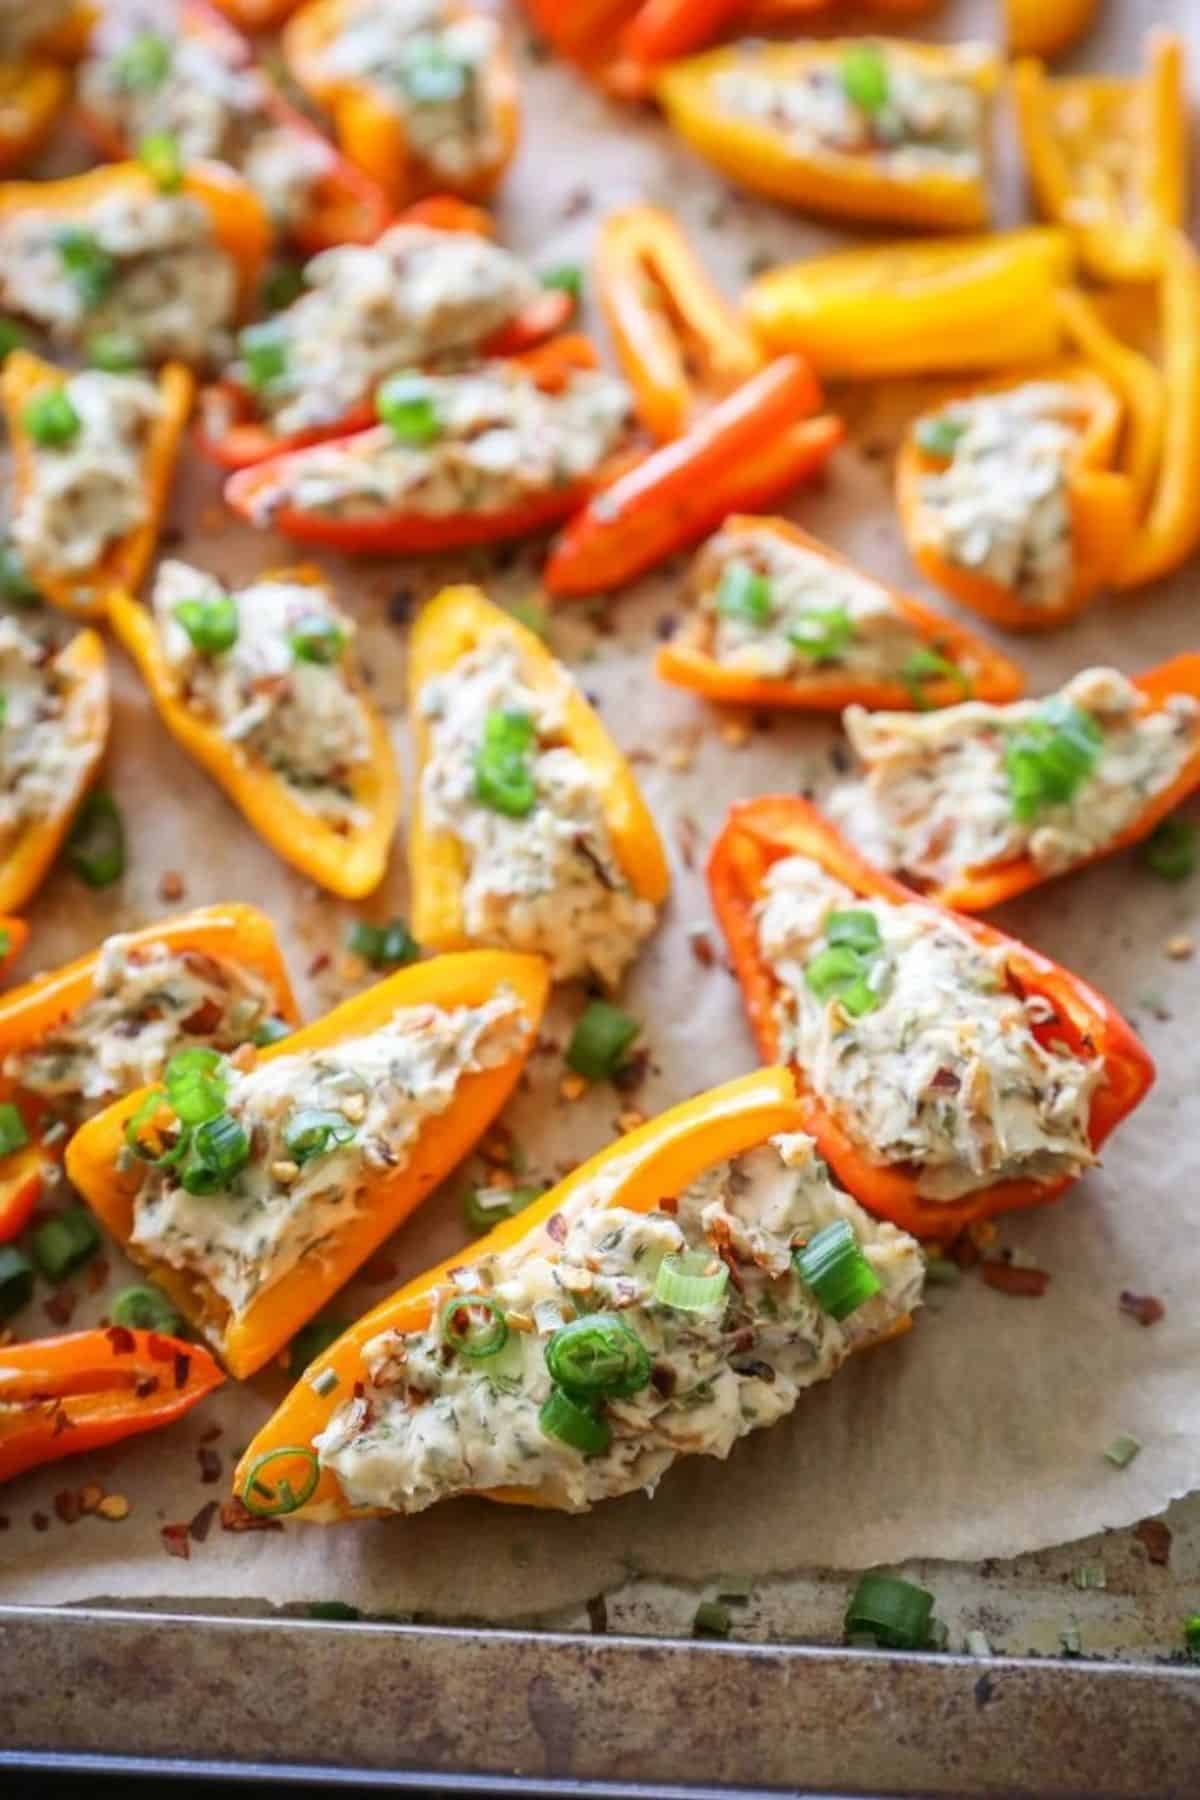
(1131, 375)
(84, 594)
(247, 1340)
(32, 94)
(758, 833)
(675, 336)
(1046, 27)
(63, 1396)
(687, 661)
(637, 1171)
(349, 863)
(455, 623)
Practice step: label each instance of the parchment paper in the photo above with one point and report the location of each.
(982, 1433)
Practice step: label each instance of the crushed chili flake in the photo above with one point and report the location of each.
(60, 1307)
(1154, 1535)
(701, 947)
(171, 885)
(145, 1386)
(1145, 1308)
(175, 1541)
(201, 1523)
(1030, 1284)
(67, 1506)
(181, 1368)
(319, 964)
(40, 1522)
(235, 1516)
(630, 1076)
(212, 1434)
(210, 1465)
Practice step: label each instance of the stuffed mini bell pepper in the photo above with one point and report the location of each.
(196, 90)
(779, 619)
(423, 102)
(495, 451)
(978, 803)
(861, 128)
(262, 687)
(75, 1040)
(1008, 500)
(432, 290)
(673, 1294)
(1108, 157)
(251, 1187)
(948, 1072)
(94, 457)
(529, 830)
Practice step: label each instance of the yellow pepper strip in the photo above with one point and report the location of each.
(1171, 529)
(1046, 27)
(32, 94)
(1134, 377)
(1108, 157)
(245, 1341)
(769, 159)
(676, 338)
(83, 668)
(918, 308)
(454, 623)
(350, 862)
(85, 593)
(658, 1159)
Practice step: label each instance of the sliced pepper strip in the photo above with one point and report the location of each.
(1108, 157)
(758, 833)
(658, 1159)
(687, 661)
(85, 593)
(1131, 375)
(32, 95)
(64, 1396)
(349, 863)
(768, 159)
(1046, 27)
(676, 338)
(456, 622)
(83, 667)
(247, 1340)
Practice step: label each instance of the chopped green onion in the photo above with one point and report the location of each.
(566, 278)
(1070, 1641)
(575, 1423)
(1191, 1629)
(314, 1131)
(90, 267)
(155, 1147)
(15, 585)
(144, 63)
(503, 779)
(925, 665)
(263, 352)
(712, 1620)
(13, 1135)
(407, 406)
(1122, 1450)
(64, 1243)
(429, 75)
(1089, 1575)
(937, 435)
(822, 635)
(145, 1309)
(115, 352)
(383, 946)
(283, 284)
(311, 1341)
(274, 1501)
(317, 639)
(96, 841)
(337, 1611)
(501, 1203)
(1049, 758)
(50, 418)
(840, 973)
(474, 1325)
(836, 1270)
(743, 593)
(16, 1280)
(324, 1383)
(211, 624)
(270, 1031)
(865, 81)
(855, 926)
(160, 156)
(12, 337)
(895, 1614)
(598, 1356)
(216, 1151)
(601, 1041)
(689, 1283)
(1170, 850)
(195, 1084)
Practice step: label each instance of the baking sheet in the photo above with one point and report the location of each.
(981, 1434)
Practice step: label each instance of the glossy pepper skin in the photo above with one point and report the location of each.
(758, 833)
(759, 155)
(686, 660)
(1102, 507)
(258, 15)
(369, 125)
(658, 1159)
(1046, 27)
(1133, 377)
(349, 863)
(85, 593)
(32, 95)
(65, 1396)
(1108, 157)
(246, 1340)
(83, 668)
(454, 624)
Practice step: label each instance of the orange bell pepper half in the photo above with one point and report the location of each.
(32, 95)
(85, 594)
(454, 624)
(753, 446)
(64, 1396)
(687, 660)
(351, 862)
(1102, 508)
(96, 1162)
(758, 833)
(677, 340)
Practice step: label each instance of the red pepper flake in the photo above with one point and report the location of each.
(630, 1076)
(40, 1522)
(160, 1348)
(236, 1516)
(200, 1526)
(669, 1204)
(175, 1541)
(145, 1386)
(701, 946)
(204, 1020)
(61, 1421)
(319, 964)
(181, 1368)
(122, 1340)
(1029, 1284)
(212, 1434)
(60, 1308)
(1154, 1535)
(1145, 1308)
(68, 1506)
(171, 885)
(210, 1465)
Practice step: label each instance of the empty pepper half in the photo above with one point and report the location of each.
(862, 128)
(780, 619)
(823, 943)
(1008, 499)
(753, 446)
(65, 1396)
(601, 1287)
(307, 759)
(251, 1190)
(473, 670)
(1108, 157)
(422, 109)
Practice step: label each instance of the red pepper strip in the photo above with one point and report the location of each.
(737, 458)
(662, 30)
(63, 1395)
(758, 833)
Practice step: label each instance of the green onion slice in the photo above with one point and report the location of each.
(15, 585)
(474, 1325)
(16, 1280)
(160, 156)
(895, 1614)
(96, 841)
(688, 1281)
(856, 926)
(90, 268)
(502, 1203)
(314, 1131)
(383, 946)
(1191, 1634)
(841, 973)
(145, 1309)
(598, 1356)
(925, 665)
(503, 778)
(566, 278)
(822, 635)
(13, 336)
(64, 1243)
(1170, 850)
(1049, 757)
(601, 1041)
(144, 63)
(195, 1084)
(575, 1423)
(212, 623)
(836, 1270)
(407, 406)
(283, 284)
(13, 1135)
(317, 639)
(51, 419)
(262, 350)
(938, 435)
(865, 81)
(274, 1500)
(116, 352)
(743, 593)
(216, 1151)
